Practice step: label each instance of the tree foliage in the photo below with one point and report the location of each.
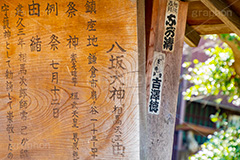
(223, 145)
(216, 75)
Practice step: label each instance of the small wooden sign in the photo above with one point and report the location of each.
(170, 25)
(156, 83)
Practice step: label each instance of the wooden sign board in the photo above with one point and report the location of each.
(69, 80)
(170, 25)
(156, 84)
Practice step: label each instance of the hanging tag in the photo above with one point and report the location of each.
(156, 83)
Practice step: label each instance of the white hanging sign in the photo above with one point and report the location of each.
(156, 83)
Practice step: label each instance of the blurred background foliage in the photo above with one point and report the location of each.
(222, 145)
(218, 75)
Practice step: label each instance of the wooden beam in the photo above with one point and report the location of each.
(148, 19)
(212, 29)
(160, 127)
(191, 0)
(192, 37)
(224, 13)
(200, 130)
(141, 79)
(227, 107)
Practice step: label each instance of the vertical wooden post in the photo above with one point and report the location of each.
(161, 127)
(141, 77)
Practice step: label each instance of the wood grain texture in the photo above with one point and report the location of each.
(192, 37)
(52, 138)
(198, 130)
(199, 14)
(234, 5)
(161, 127)
(212, 29)
(225, 13)
(141, 80)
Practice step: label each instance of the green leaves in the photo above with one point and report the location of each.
(214, 76)
(214, 118)
(223, 145)
(218, 101)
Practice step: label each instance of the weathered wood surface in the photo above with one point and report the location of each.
(141, 77)
(225, 13)
(192, 37)
(53, 138)
(198, 130)
(212, 17)
(212, 29)
(161, 127)
(199, 14)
